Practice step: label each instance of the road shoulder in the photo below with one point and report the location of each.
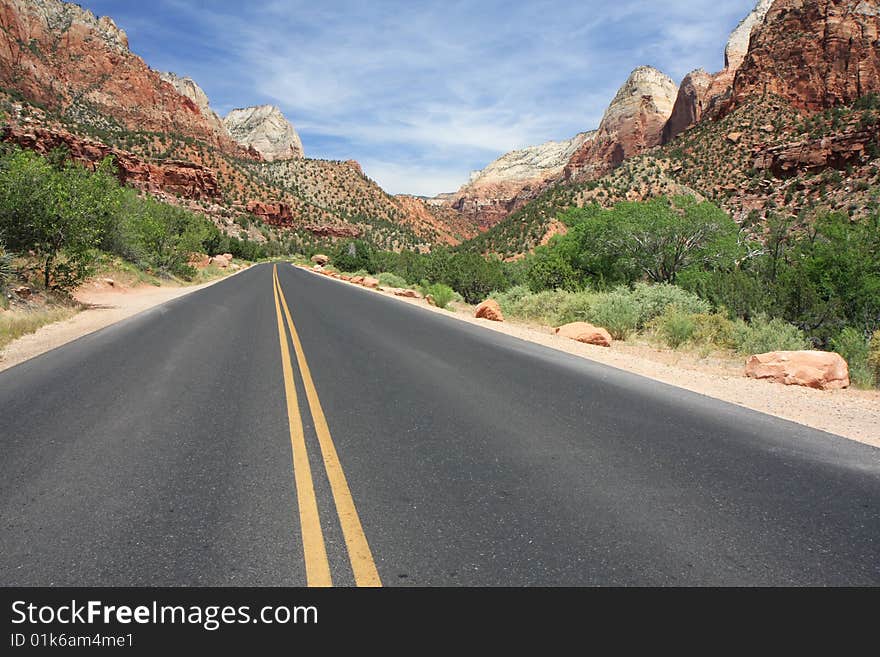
(104, 306)
(853, 414)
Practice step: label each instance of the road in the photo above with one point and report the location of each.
(199, 443)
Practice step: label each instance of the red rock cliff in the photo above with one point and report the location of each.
(814, 53)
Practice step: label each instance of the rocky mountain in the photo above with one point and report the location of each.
(631, 124)
(702, 94)
(791, 127)
(68, 79)
(187, 87)
(264, 129)
(78, 66)
(512, 180)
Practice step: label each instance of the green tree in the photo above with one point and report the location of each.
(59, 215)
(354, 255)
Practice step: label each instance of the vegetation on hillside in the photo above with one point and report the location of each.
(63, 216)
(683, 273)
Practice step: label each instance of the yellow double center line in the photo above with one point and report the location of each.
(315, 552)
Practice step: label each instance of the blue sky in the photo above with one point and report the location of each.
(421, 93)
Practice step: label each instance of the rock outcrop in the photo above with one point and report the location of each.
(186, 86)
(632, 124)
(690, 104)
(180, 178)
(61, 56)
(285, 216)
(837, 151)
(513, 180)
(813, 369)
(814, 53)
(703, 94)
(264, 129)
(586, 333)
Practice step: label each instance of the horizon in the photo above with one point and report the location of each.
(407, 101)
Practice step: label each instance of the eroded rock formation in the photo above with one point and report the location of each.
(265, 129)
(814, 53)
(632, 124)
(513, 180)
(179, 178)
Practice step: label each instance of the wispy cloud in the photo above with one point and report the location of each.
(422, 92)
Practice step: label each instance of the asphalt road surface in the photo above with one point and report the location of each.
(309, 432)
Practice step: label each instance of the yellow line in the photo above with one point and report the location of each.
(314, 551)
(362, 564)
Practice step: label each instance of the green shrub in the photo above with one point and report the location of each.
(654, 300)
(354, 255)
(442, 294)
(575, 307)
(387, 279)
(548, 306)
(762, 335)
(873, 359)
(674, 327)
(5, 267)
(855, 349)
(549, 270)
(617, 312)
(519, 302)
(714, 330)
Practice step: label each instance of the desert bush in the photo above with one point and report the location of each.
(762, 335)
(674, 327)
(714, 330)
(388, 279)
(575, 307)
(654, 300)
(442, 294)
(873, 359)
(855, 349)
(617, 312)
(5, 267)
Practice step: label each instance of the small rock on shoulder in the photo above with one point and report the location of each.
(586, 333)
(490, 310)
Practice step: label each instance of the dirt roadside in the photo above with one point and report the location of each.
(105, 305)
(850, 413)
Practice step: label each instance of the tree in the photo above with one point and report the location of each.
(656, 239)
(354, 255)
(662, 238)
(59, 215)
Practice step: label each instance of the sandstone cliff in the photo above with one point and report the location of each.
(513, 179)
(187, 87)
(702, 94)
(61, 56)
(814, 53)
(264, 129)
(180, 178)
(632, 123)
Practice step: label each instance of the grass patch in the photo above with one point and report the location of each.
(443, 295)
(15, 324)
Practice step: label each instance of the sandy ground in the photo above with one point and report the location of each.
(854, 414)
(104, 305)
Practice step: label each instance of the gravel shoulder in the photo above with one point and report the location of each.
(103, 305)
(851, 413)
